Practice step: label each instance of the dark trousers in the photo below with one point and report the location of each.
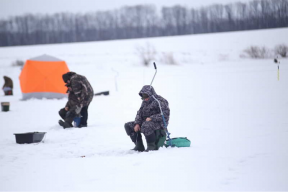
(62, 113)
(84, 114)
(67, 118)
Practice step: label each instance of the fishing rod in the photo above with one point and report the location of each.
(154, 74)
(162, 114)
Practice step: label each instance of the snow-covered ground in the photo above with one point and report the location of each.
(234, 110)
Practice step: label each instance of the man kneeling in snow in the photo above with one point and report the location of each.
(149, 121)
(71, 109)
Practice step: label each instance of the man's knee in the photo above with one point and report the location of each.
(62, 113)
(148, 128)
(147, 124)
(127, 127)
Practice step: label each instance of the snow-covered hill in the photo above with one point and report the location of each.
(234, 111)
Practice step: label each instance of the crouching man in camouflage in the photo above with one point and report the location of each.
(149, 121)
(71, 109)
(82, 89)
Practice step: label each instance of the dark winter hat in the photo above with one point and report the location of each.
(67, 76)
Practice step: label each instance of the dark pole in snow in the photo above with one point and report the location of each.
(278, 62)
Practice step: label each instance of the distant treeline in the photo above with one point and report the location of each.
(142, 21)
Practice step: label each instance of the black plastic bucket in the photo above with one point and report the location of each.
(5, 106)
(30, 137)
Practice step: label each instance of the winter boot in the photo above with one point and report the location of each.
(137, 139)
(160, 138)
(65, 124)
(151, 145)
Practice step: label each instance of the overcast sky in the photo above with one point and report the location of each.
(19, 7)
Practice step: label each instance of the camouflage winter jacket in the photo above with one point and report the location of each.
(151, 108)
(72, 100)
(82, 89)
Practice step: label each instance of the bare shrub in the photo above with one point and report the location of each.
(257, 52)
(18, 63)
(281, 50)
(252, 51)
(168, 58)
(264, 52)
(146, 53)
